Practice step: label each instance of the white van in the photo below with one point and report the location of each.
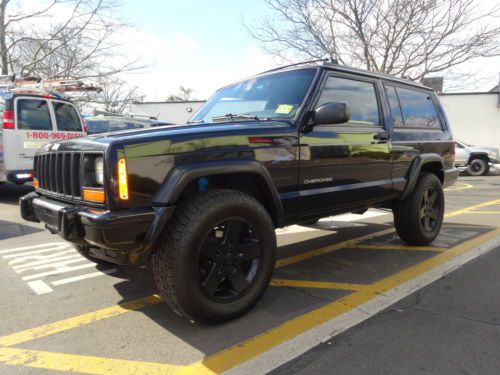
(29, 122)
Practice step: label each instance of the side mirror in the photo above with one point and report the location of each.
(331, 113)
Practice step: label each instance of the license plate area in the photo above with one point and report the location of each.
(49, 212)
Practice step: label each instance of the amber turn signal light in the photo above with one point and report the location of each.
(35, 183)
(122, 179)
(92, 195)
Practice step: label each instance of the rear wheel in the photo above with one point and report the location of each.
(419, 218)
(478, 167)
(216, 257)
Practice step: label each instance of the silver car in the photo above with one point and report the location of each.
(476, 160)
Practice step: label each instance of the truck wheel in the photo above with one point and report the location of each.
(84, 252)
(478, 167)
(216, 257)
(418, 219)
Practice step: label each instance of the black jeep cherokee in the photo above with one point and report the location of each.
(202, 200)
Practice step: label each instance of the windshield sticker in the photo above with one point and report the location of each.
(284, 108)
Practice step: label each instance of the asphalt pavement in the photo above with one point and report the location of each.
(335, 282)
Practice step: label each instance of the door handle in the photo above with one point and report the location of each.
(382, 136)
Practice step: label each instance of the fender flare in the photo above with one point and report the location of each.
(415, 169)
(179, 177)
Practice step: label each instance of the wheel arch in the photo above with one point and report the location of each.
(247, 176)
(431, 162)
(478, 155)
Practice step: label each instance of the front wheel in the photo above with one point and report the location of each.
(478, 167)
(419, 218)
(216, 257)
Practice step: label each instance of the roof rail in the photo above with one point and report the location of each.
(301, 63)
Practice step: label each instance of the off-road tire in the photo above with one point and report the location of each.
(84, 252)
(478, 167)
(407, 214)
(176, 260)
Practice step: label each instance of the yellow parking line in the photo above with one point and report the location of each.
(82, 363)
(77, 321)
(471, 208)
(484, 212)
(398, 247)
(254, 346)
(462, 187)
(319, 285)
(328, 249)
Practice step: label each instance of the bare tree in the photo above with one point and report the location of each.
(409, 38)
(183, 95)
(79, 43)
(114, 97)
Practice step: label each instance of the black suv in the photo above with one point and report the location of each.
(202, 200)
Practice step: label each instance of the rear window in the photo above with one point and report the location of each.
(33, 114)
(67, 118)
(418, 109)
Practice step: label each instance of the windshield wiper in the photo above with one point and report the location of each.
(242, 116)
(196, 122)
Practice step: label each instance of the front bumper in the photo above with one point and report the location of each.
(119, 236)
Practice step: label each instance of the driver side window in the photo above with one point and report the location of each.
(360, 96)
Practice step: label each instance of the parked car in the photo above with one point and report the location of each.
(29, 122)
(476, 160)
(104, 124)
(202, 200)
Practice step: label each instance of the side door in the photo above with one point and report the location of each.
(33, 128)
(346, 165)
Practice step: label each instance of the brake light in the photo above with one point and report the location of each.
(8, 119)
(122, 179)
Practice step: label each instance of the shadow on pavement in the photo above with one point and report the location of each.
(10, 193)
(9, 229)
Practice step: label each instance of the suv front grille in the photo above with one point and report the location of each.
(60, 173)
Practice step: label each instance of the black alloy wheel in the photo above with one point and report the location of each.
(429, 210)
(229, 259)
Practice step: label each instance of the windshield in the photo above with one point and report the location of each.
(277, 95)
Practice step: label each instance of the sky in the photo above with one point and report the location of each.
(195, 43)
(203, 44)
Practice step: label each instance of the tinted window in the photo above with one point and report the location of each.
(397, 116)
(418, 109)
(33, 114)
(358, 95)
(67, 117)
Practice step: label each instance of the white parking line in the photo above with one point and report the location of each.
(41, 261)
(40, 287)
(83, 277)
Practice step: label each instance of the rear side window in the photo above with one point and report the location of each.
(33, 114)
(396, 113)
(418, 109)
(67, 118)
(360, 96)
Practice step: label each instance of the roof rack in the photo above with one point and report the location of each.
(325, 61)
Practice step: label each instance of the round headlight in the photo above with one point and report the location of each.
(99, 170)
